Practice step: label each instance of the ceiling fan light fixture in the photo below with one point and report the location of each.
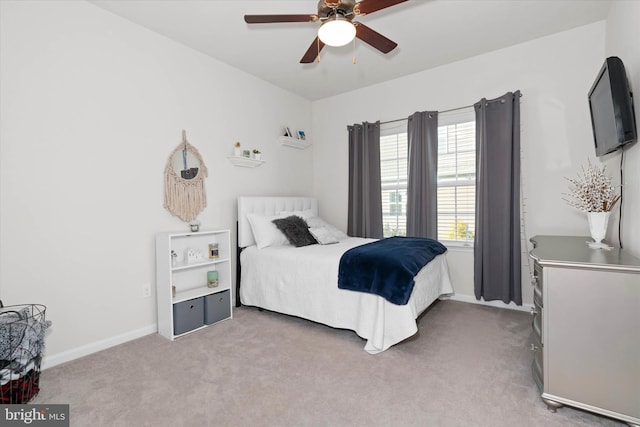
(337, 31)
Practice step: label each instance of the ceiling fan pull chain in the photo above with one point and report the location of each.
(354, 51)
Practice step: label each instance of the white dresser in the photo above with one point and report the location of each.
(587, 327)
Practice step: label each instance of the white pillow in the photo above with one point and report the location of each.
(302, 214)
(265, 231)
(323, 235)
(317, 222)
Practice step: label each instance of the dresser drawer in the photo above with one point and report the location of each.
(537, 370)
(536, 282)
(537, 324)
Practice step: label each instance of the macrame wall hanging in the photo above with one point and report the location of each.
(184, 193)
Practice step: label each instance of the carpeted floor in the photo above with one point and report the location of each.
(469, 365)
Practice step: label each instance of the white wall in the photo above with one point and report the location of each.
(554, 74)
(623, 40)
(91, 107)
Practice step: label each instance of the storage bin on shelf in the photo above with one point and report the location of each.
(22, 329)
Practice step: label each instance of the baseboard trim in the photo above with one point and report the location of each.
(472, 300)
(85, 350)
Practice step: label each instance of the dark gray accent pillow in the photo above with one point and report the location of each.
(296, 230)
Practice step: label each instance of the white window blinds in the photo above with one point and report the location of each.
(456, 175)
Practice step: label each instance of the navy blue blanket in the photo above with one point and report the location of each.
(387, 267)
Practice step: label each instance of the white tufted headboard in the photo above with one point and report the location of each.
(270, 205)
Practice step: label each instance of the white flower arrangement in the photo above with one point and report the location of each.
(592, 191)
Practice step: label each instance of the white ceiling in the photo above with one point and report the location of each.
(429, 33)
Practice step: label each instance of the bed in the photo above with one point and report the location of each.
(302, 281)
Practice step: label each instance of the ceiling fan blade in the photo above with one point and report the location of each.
(374, 38)
(267, 19)
(312, 53)
(370, 6)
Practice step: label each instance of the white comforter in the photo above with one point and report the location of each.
(303, 282)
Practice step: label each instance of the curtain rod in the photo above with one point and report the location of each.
(445, 111)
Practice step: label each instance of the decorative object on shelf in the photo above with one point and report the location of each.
(246, 153)
(174, 258)
(213, 251)
(193, 255)
(301, 135)
(287, 132)
(184, 193)
(212, 279)
(257, 154)
(592, 193)
(598, 222)
(173, 289)
(237, 151)
(194, 225)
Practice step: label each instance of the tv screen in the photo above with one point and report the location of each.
(611, 106)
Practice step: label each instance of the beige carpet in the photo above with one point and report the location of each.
(469, 365)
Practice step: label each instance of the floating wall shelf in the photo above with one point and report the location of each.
(295, 143)
(245, 161)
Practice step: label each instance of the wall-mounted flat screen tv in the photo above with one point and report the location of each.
(611, 105)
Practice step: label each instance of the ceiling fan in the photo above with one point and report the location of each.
(338, 27)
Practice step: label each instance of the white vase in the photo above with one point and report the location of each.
(598, 222)
(237, 151)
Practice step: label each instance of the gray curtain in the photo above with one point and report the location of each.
(497, 251)
(422, 185)
(365, 199)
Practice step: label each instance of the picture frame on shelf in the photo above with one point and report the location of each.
(213, 251)
(301, 135)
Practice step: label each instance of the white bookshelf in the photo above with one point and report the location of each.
(190, 278)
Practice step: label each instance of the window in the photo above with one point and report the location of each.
(393, 175)
(456, 176)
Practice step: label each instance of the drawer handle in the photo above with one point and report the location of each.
(534, 281)
(534, 347)
(220, 300)
(534, 311)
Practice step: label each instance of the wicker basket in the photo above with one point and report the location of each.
(22, 329)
